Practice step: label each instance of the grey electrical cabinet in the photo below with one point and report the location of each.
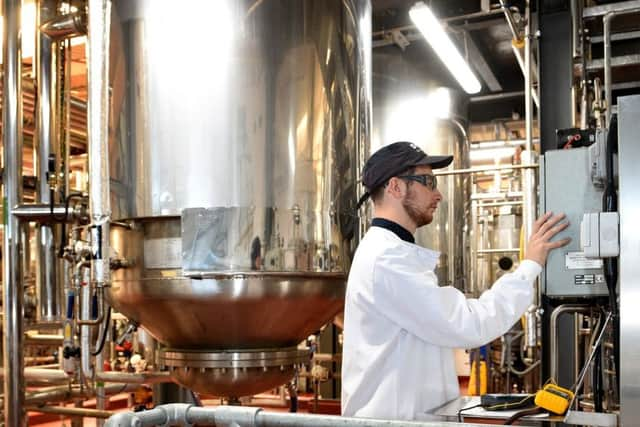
(567, 185)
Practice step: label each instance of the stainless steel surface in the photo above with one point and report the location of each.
(595, 11)
(64, 26)
(273, 125)
(12, 289)
(240, 185)
(239, 309)
(229, 240)
(98, 102)
(401, 112)
(233, 373)
(553, 326)
(629, 208)
(245, 416)
(269, 140)
(48, 294)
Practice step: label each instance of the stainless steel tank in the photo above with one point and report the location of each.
(408, 105)
(234, 140)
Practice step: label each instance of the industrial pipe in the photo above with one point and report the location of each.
(137, 378)
(74, 412)
(606, 21)
(240, 416)
(41, 374)
(44, 213)
(49, 295)
(553, 347)
(13, 292)
(43, 339)
(517, 36)
(98, 132)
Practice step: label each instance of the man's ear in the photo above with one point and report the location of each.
(395, 188)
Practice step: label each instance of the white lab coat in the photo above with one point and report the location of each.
(400, 328)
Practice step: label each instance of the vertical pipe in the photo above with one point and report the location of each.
(576, 24)
(606, 21)
(85, 330)
(529, 189)
(97, 122)
(13, 335)
(473, 270)
(528, 193)
(49, 296)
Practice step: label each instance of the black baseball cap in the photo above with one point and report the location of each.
(392, 160)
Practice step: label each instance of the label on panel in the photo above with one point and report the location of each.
(577, 261)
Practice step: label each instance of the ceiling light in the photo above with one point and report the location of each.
(435, 35)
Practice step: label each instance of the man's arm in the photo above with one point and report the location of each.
(443, 315)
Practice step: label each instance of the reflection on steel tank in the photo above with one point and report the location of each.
(237, 129)
(410, 106)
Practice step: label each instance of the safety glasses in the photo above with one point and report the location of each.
(427, 180)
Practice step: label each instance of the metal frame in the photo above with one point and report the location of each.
(629, 208)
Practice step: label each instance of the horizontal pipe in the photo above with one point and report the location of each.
(227, 416)
(42, 374)
(595, 11)
(39, 360)
(43, 339)
(43, 213)
(483, 169)
(497, 96)
(74, 412)
(138, 378)
(493, 196)
(64, 393)
(111, 377)
(498, 251)
(495, 204)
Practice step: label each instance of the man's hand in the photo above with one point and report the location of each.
(540, 243)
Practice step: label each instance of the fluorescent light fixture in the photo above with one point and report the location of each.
(431, 29)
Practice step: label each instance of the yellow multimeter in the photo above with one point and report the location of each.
(554, 398)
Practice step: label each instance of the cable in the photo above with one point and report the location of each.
(105, 330)
(523, 413)
(466, 409)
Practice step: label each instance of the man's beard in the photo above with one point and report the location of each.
(420, 214)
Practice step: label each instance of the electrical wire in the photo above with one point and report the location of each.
(466, 409)
(105, 331)
(523, 413)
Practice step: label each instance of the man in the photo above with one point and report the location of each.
(401, 328)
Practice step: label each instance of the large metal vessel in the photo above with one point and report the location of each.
(236, 129)
(411, 106)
